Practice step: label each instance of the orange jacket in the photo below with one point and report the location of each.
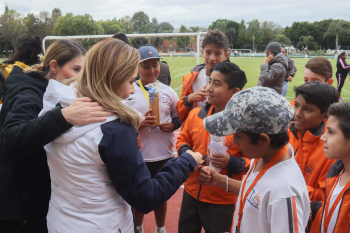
(194, 136)
(292, 102)
(343, 221)
(309, 155)
(183, 108)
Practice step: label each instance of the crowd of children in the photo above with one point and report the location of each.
(250, 160)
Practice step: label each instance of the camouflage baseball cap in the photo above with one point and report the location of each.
(254, 110)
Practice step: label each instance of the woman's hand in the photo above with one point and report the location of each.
(84, 111)
(198, 157)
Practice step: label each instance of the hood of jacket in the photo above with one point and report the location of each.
(18, 81)
(280, 58)
(59, 93)
(198, 67)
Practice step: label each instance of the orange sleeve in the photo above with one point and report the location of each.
(318, 193)
(182, 110)
(185, 134)
(316, 224)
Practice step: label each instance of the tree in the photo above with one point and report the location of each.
(12, 27)
(57, 11)
(138, 19)
(195, 29)
(166, 27)
(126, 20)
(112, 26)
(337, 29)
(77, 25)
(283, 40)
(307, 41)
(230, 33)
(253, 31)
(270, 30)
(182, 41)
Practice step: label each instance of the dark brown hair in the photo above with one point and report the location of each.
(215, 37)
(320, 65)
(62, 51)
(342, 112)
(28, 51)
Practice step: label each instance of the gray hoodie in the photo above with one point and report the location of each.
(272, 74)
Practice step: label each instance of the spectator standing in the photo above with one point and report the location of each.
(274, 68)
(290, 73)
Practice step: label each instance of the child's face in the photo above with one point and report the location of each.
(241, 140)
(128, 87)
(217, 90)
(310, 76)
(335, 145)
(149, 70)
(213, 54)
(307, 116)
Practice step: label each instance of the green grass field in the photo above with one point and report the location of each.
(180, 66)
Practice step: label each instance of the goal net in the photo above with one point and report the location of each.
(181, 51)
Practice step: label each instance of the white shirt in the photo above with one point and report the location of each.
(266, 208)
(157, 145)
(334, 218)
(201, 80)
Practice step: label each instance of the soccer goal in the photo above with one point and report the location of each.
(181, 51)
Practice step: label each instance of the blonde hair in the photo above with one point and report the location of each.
(62, 51)
(107, 66)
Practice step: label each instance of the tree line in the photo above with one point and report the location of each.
(325, 34)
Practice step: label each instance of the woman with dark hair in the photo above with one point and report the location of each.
(342, 71)
(25, 185)
(25, 56)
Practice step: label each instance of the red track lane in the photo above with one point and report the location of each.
(173, 212)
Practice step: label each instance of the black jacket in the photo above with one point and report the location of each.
(342, 67)
(24, 175)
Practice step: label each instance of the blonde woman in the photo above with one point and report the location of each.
(24, 174)
(97, 171)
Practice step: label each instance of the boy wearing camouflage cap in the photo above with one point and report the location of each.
(273, 197)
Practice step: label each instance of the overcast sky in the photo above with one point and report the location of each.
(195, 12)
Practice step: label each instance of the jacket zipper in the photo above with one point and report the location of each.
(199, 192)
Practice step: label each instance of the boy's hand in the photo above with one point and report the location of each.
(198, 157)
(167, 127)
(219, 160)
(208, 176)
(84, 111)
(198, 96)
(148, 121)
(290, 78)
(268, 59)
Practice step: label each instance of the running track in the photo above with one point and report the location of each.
(173, 212)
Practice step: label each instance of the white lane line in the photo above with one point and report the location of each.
(181, 69)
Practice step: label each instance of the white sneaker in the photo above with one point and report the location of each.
(140, 228)
(160, 230)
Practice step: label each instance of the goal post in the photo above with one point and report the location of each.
(181, 51)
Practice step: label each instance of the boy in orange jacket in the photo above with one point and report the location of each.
(310, 113)
(318, 69)
(202, 206)
(335, 214)
(214, 50)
